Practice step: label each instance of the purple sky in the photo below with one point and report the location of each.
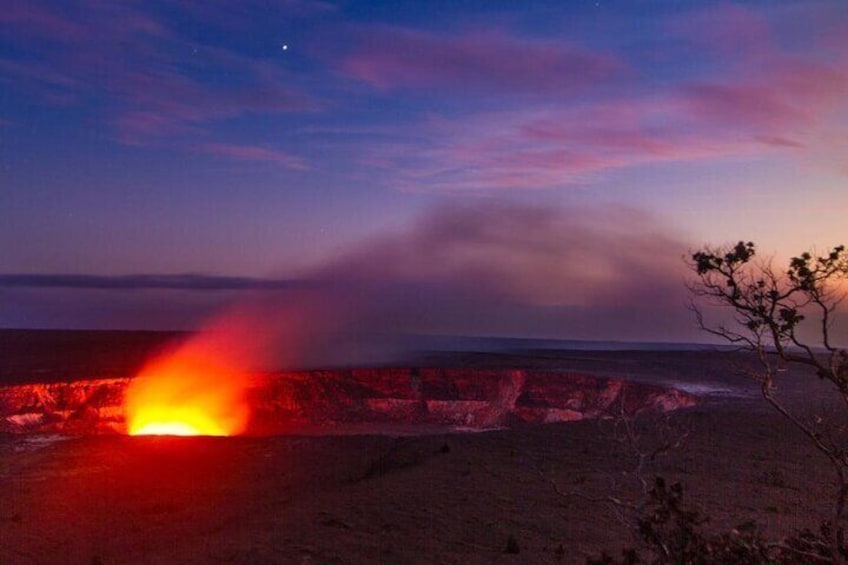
(492, 168)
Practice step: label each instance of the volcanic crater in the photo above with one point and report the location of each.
(360, 465)
(346, 400)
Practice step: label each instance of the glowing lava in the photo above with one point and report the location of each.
(169, 429)
(194, 391)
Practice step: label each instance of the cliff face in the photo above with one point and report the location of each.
(283, 402)
(90, 406)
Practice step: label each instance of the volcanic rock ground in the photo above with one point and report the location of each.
(392, 498)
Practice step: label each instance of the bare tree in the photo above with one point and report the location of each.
(643, 437)
(785, 317)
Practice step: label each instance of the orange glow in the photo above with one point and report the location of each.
(170, 429)
(193, 391)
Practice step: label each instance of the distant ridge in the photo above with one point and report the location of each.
(412, 342)
(495, 344)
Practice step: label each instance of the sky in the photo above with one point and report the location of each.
(531, 169)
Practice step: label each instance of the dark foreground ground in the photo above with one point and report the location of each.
(446, 498)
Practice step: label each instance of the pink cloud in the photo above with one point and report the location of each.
(257, 154)
(787, 95)
(771, 101)
(45, 22)
(141, 127)
(781, 142)
(758, 106)
(768, 83)
(42, 81)
(157, 83)
(241, 16)
(389, 57)
(40, 72)
(541, 149)
(166, 102)
(725, 29)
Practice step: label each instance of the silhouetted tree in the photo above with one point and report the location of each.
(786, 318)
(671, 534)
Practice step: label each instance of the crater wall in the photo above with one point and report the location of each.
(285, 402)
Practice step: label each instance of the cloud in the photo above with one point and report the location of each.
(785, 99)
(495, 61)
(523, 254)
(42, 81)
(780, 142)
(256, 154)
(146, 282)
(482, 108)
(41, 20)
(242, 17)
(778, 94)
(162, 103)
(485, 269)
(723, 29)
(108, 309)
(766, 80)
(557, 147)
(745, 104)
(784, 107)
(149, 81)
